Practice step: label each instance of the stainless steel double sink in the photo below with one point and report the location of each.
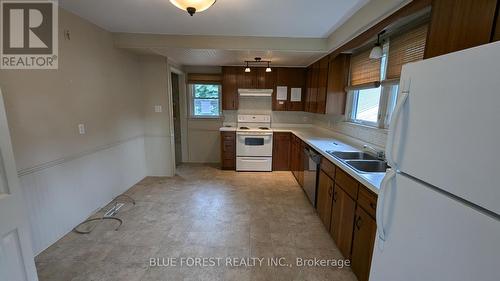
(362, 162)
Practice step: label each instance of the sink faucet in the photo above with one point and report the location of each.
(379, 153)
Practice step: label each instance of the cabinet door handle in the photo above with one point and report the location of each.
(330, 191)
(335, 196)
(358, 222)
(373, 205)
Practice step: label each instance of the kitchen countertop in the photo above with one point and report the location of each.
(322, 140)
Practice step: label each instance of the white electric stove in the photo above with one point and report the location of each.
(254, 143)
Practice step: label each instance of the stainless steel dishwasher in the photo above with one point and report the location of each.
(311, 167)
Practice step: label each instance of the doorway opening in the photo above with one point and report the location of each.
(177, 117)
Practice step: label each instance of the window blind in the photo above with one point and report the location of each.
(363, 69)
(204, 78)
(405, 48)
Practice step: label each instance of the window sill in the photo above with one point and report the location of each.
(206, 117)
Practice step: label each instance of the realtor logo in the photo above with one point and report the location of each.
(29, 32)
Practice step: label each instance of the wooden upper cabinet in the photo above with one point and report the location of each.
(281, 151)
(257, 78)
(317, 83)
(229, 88)
(338, 79)
(235, 77)
(459, 24)
(246, 80)
(312, 88)
(291, 78)
(496, 32)
(322, 85)
(263, 79)
(307, 100)
(314, 93)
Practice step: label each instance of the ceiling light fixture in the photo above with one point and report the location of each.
(268, 69)
(377, 51)
(258, 61)
(193, 6)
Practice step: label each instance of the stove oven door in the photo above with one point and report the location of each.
(254, 144)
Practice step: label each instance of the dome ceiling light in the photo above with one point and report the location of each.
(193, 6)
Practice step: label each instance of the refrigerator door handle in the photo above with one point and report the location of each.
(381, 202)
(392, 128)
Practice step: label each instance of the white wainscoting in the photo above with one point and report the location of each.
(158, 156)
(61, 194)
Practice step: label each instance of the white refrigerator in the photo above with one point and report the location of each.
(438, 215)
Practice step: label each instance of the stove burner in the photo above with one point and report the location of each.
(244, 128)
(263, 128)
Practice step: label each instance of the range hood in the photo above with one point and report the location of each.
(255, 92)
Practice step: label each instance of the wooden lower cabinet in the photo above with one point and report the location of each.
(296, 159)
(365, 229)
(346, 208)
(281, 151)
(342, 220)
(324, 198)
(228, 150)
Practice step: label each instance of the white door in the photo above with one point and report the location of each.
(16, 253)
(446, 133)
(429, 236)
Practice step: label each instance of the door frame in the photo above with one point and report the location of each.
(13, 216)
(183, 113)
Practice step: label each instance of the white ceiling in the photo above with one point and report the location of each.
(216, 57)
(272, 18)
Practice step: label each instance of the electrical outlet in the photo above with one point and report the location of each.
(81, 129)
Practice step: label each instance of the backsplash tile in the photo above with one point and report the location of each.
(373, 136)
(263, 105)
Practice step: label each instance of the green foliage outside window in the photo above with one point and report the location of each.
(206, 100)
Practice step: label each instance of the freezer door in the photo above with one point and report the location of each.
(447, 132)
(429, 236)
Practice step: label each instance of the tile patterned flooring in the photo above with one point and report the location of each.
(201, 212)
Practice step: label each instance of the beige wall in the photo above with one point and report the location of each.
(204, 140)
(65, 176)
(202, 137)
(155, 85)
(96, 84)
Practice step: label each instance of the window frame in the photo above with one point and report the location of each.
(192, 99)
(353, 98)
(387, 97)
